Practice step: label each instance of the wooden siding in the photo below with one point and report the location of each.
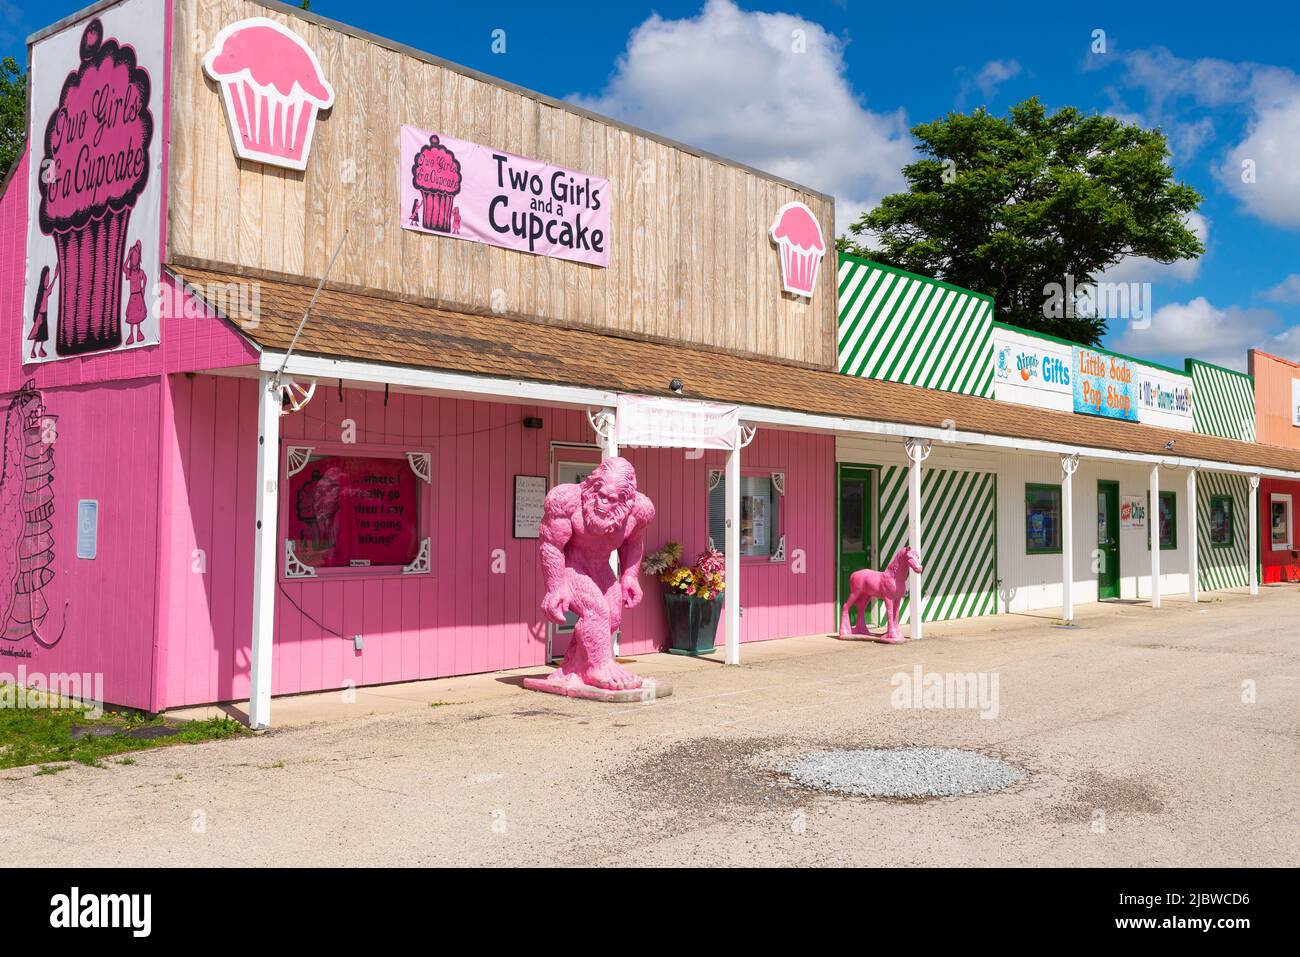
(1273, 399)
(461, 618)
(690, 258)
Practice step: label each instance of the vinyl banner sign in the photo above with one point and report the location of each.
(94, 185)
(1133, 512)
(1104, 385)
(655, 422)
(455, 188)
(1164, 398)
(1032, 371)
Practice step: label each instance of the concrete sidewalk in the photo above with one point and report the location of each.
(412, 696)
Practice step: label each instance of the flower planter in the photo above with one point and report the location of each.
(692, 623)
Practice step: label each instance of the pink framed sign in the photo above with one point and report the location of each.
(456, 188)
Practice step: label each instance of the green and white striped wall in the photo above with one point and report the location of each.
(958, 536)
(1223, 401)
(1220, 566)
(905, 328)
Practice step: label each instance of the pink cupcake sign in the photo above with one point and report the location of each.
(798, 238)
(272, 87)
(94, 185)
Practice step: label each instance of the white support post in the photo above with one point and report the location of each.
(1153, 525)
(1253, 558)
(917, 452)
(1069, 465)
(265, 551)
(604, 423)
(1193, 570)
(731, 593)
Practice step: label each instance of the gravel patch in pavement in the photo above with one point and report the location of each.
(903, 772)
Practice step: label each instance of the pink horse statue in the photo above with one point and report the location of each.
(888, 586)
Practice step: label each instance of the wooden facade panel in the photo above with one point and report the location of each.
(690, 260)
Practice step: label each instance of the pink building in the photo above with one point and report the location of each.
(132, 491)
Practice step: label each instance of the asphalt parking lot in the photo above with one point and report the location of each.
(1165, 737)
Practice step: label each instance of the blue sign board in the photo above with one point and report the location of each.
(87, 528)
(1104, 385)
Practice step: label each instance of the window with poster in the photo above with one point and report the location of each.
(762, 534)
(1168, 518)
(1279, 522)
(1042, 519)
(1221, 516)
(348, 510)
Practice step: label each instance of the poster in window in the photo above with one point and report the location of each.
(1042, 522)
(1280, 522)
(1220, 521)
(353, 511)
(1167, 519)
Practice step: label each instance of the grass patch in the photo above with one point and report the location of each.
(44, 735)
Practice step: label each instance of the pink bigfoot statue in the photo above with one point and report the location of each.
(581, 526)
(888, 585)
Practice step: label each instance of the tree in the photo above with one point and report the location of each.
(13, 112)
(1012, 205)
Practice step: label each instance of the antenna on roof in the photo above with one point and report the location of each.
(279, 373)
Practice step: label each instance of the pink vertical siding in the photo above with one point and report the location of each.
(461, 618)
(103, 607)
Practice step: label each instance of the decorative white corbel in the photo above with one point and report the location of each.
(296, 459)
(1070, 463)
(779, 554)
(294, 396)
(421, 464)
(918, 450)
(295, 567)
(420, 565)
(715, 478)
(778, 482)
(747, 433)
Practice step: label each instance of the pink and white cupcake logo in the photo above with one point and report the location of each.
(95, 166)
(272, 86)
(435, 173)
(798, 237)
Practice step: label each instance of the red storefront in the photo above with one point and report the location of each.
(1277, 418)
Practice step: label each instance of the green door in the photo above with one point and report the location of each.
(1107, 540)
(855, 526)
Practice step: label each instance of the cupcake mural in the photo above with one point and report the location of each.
(798, 237)
(26, 518)
(272, 87)
(95, 166)
(436, 175)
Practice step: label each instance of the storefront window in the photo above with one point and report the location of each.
(1279, 519)
(1221, 515)
(353, 511)
(1168, 519)
(1042, 519)
(760, 513)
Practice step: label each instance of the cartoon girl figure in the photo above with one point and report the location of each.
(415, 211)
(455, 220)
(136, 311)
(40, 333)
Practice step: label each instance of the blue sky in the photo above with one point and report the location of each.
(1223, 81)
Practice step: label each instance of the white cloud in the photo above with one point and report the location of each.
(994, 73)
(767, 89)
(1200, 329)
(1287, 291)
(1142, 269)
(1261, 170)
